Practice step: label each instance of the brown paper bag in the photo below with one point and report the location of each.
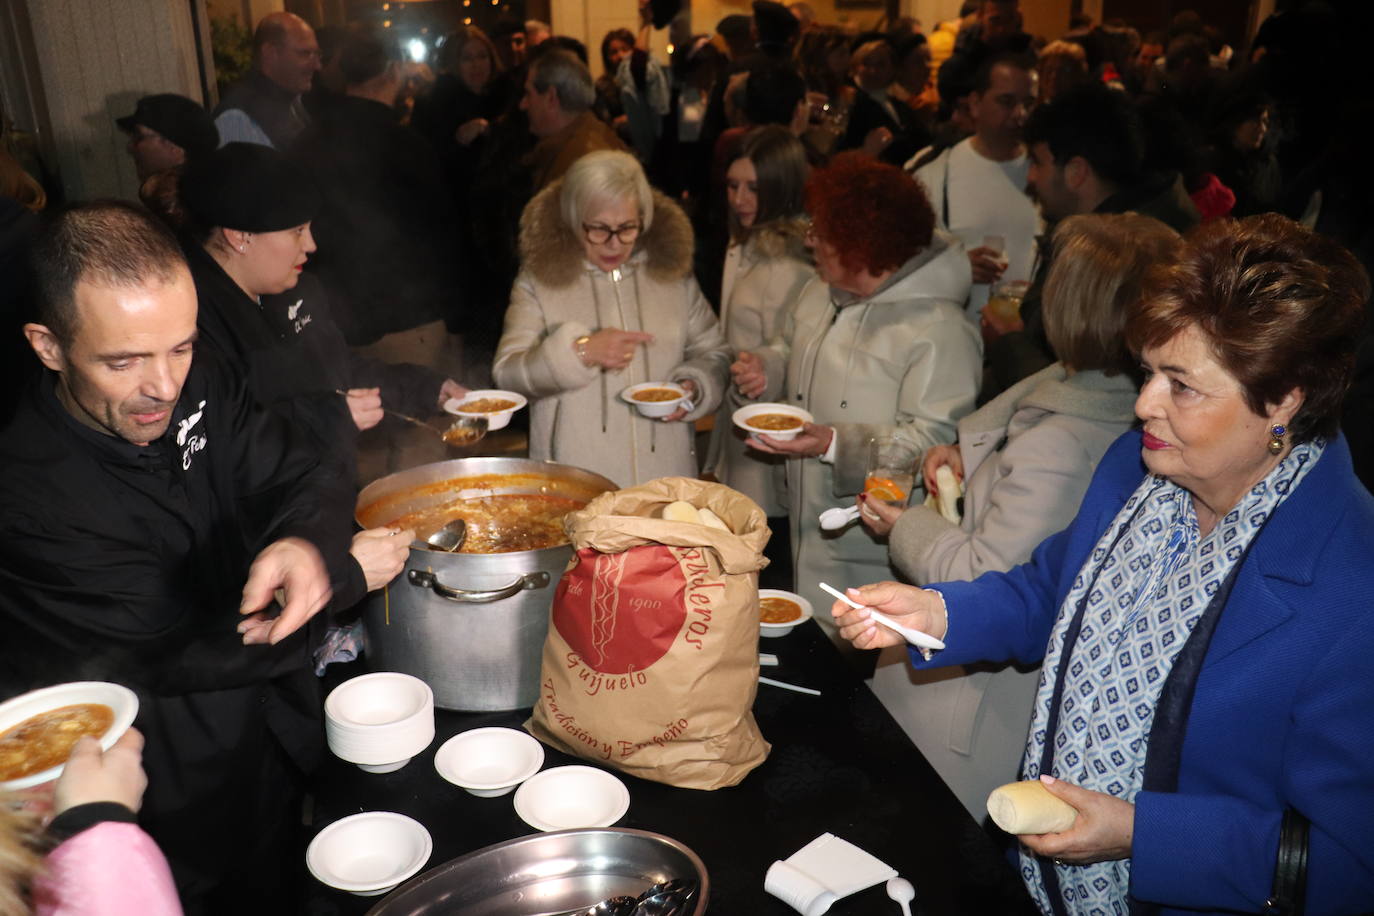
(651, 662)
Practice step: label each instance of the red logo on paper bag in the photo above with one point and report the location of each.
(621, 612)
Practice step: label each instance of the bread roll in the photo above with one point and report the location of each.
(710, 519)
(681, 511)
(1022, 808)
(950, 489)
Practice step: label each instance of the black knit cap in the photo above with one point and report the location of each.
(181, 120)
(251, 188)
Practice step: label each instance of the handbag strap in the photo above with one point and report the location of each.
(1289, 892)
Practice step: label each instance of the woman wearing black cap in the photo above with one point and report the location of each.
(248, 212)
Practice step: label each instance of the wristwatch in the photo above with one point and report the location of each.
(580, 348)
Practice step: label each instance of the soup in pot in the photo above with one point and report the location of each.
(499, 524)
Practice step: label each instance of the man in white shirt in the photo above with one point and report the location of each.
(978, 186)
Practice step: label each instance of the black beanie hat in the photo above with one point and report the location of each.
(249, 187)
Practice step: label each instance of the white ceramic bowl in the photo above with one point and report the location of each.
(496, 419)
(565, 798)
(782, 629)
(489, 761)
(741, 419)
(654, 408)
(370, 853)
(379, 721)
(120, 699)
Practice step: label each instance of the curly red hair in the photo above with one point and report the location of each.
(874, 215)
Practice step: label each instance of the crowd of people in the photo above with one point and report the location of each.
(1111, 286)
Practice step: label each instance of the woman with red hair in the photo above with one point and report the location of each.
(876, 345)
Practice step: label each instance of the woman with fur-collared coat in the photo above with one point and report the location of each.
(606, 299)
(766, 267)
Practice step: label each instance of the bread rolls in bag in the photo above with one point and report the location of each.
(1022, 808)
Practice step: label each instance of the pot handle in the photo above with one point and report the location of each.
(424, 579)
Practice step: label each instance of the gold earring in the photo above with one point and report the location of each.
(1276, 434)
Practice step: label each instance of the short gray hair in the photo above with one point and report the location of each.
(601, 176)
(569, 77)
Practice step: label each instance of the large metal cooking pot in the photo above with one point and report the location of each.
(472, 626)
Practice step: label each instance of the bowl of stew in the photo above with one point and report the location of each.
(38, 729)
(782, 422)
(496, 405)
(780, 611)
(654, 399)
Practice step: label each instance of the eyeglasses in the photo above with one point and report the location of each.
(598, 234)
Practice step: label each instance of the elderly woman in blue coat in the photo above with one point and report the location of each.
(1204, 622)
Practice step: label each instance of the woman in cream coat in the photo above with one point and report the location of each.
(766, 267)
(606, 299)
(1025, 459)
(877, 345)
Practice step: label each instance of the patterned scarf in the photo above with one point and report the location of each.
(1147, 582)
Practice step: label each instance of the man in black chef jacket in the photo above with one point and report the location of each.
(151, 510)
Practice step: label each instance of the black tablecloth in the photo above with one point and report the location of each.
(839, 764)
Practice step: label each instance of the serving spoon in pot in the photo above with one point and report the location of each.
(450, 537)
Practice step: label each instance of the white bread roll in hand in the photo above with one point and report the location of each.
(1024, 808)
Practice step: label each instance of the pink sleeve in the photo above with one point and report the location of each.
(112, 869)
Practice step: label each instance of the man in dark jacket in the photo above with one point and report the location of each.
(385, 230)
(1087, 149)
(151, 513)
(265, 106)
(165, 131)
(387, 236)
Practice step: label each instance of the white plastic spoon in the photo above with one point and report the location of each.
(836, 518)
(915, 637)
(900, 890)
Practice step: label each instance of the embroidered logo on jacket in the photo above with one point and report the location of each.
(190, 444)
(297, 323)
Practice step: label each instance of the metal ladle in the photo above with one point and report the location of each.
(450, 537)
(461, 432)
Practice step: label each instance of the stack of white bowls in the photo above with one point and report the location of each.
(379, 721)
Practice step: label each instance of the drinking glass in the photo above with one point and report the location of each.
(997, 244)
(1005, 301)
(891, 469)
